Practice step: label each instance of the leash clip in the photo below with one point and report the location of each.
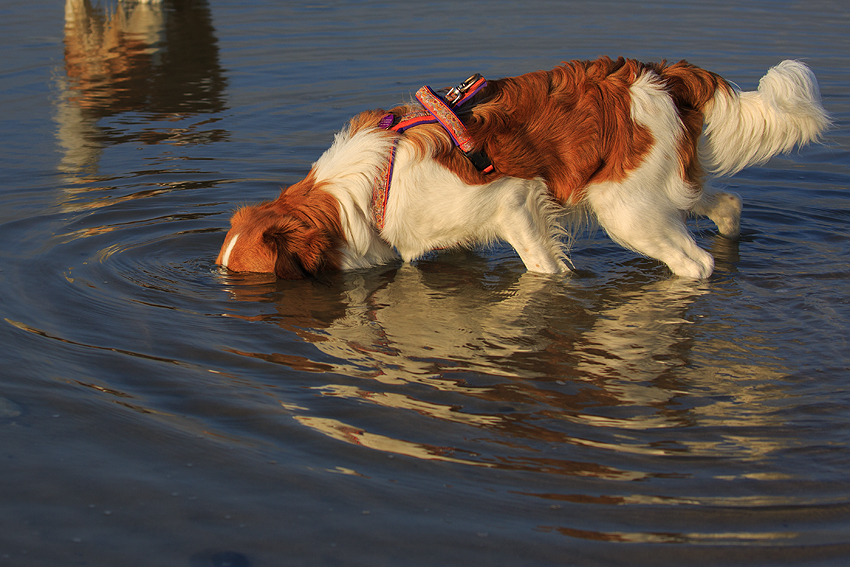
(456, 93)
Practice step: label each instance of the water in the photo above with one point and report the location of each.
(155, 411)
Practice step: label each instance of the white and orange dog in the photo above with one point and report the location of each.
(621, 143)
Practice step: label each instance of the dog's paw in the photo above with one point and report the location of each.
(727, 214)
(699, 268)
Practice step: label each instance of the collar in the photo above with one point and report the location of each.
(435, 108)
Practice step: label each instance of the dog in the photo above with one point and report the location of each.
(621, 143)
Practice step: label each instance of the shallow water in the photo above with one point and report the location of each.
(458, 411)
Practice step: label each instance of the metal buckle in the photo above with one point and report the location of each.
(457, 92)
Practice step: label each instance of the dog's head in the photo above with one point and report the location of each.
(292, 237)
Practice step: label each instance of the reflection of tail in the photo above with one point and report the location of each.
(748, 128)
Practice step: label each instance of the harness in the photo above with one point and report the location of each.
(435, 109)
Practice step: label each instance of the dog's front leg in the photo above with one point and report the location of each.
(527, 222)
(536, 257)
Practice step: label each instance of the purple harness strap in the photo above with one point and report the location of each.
(435, 109)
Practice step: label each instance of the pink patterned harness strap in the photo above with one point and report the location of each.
(434, 109)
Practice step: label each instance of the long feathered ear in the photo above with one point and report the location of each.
(302, 251)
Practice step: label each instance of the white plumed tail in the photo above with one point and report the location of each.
(748, 128)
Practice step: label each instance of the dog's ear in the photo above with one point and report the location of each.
(301, 251)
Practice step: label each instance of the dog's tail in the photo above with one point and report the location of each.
(748, 128)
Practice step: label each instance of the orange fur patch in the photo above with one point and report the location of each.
(295, 236)
(571, 126)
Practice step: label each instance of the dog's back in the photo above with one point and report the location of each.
(573, 126)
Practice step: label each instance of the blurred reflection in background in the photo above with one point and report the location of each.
(139, 72)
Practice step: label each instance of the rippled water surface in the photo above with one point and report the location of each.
(458, 411)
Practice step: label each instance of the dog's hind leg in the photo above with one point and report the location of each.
(654, 228)
(723, 208)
